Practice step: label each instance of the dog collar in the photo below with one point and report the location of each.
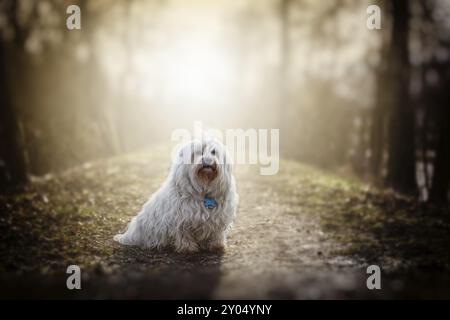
(210, 203)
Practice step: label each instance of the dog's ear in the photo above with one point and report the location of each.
(226, 159)
(181, 153)
(228, 164)
(186, 154)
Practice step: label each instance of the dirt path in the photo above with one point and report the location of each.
(300, 234)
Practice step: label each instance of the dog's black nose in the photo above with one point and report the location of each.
(206, 163)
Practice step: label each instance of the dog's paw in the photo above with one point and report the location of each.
(216, 246)
(188, 247)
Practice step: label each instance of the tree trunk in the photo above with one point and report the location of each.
(11, 134)
(401, 163)
(441, 175)
(378, 116)
(377, 130)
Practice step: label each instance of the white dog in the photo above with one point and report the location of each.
(194, 208)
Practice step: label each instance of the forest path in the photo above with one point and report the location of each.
(302, 233)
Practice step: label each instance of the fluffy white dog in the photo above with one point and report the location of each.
(195, 207)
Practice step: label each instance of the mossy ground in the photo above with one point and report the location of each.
(302, 233)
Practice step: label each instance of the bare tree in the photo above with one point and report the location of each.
(401, 162)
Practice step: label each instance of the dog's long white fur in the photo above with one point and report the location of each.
(175, 216)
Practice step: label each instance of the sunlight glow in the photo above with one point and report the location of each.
(196, 71)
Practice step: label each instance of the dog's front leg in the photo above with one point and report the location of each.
(184, 242)
(217, 242)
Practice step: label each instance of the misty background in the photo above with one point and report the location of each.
(370, 103)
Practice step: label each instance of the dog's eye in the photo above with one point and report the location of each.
(213, 152)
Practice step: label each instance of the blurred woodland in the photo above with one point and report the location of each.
(375, 103)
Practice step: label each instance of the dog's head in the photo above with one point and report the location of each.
(204, 165)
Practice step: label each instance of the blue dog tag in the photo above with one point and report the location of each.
(210, 203)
